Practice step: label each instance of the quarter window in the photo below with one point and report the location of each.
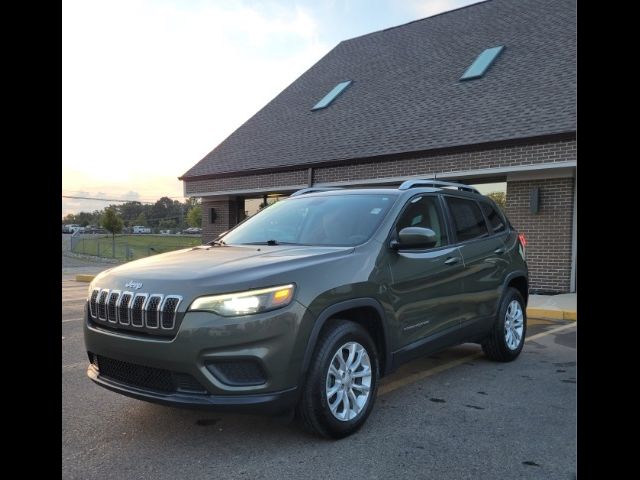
(468, 221)
(495, 219)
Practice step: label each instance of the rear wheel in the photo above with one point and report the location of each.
(342, 381)
(506, 339)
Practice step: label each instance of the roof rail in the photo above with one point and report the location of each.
(314, 189)
(435, 183)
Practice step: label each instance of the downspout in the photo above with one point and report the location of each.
(574, 236)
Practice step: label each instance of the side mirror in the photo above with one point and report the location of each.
(415, 237)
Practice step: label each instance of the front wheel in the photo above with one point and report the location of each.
(342, 382)
(506, 339)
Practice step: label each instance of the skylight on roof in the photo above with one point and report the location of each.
(332, 95)
(482, 63)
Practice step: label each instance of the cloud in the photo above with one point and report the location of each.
(131, 195)
(152, 187)
(150, 87)
(427, 8)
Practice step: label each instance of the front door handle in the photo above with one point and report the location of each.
(452, 260)
(499, 250)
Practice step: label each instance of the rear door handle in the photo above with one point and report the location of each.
(452, 260)
(499, 250)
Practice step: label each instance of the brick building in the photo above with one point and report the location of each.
(434, 97)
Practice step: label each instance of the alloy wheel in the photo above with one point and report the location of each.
(348, 381)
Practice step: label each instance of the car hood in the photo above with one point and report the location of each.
(217, 268)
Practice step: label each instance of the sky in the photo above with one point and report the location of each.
(149, 87)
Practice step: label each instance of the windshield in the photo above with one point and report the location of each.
(338, 220)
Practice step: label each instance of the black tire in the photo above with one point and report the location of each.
(313, 410)
(495, 345)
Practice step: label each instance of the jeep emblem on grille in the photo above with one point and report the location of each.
(134, 285)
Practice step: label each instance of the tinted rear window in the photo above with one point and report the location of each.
(468, 221)
(495, 218)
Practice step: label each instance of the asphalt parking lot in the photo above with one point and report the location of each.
(454, 415)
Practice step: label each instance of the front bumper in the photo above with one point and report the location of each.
(274, 340)
(265, 403)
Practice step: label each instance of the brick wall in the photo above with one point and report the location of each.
(440, 164)
(263, 180)
(226, 212)
(454, 162)
(548, 232)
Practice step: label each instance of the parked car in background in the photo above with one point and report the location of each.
(92, 229)
(71, 228)
(141, 229)
(192, 231)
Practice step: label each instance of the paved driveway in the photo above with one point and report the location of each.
(455, 415)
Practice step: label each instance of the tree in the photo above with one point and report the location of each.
(167, 224)
(500, 198)
(83, 218)
(141, 220)
(194, 217)
(164, 209)
(191, 202)
(129, 211)
(112, 223)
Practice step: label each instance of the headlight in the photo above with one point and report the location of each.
(246, 303)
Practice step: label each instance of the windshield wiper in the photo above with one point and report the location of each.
(270, 243)
(220, 243)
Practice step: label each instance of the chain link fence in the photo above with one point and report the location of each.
(130, 247)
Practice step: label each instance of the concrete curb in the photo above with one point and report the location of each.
(549, 314)
(84, 278)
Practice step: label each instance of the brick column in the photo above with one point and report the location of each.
(548, 232)
(227, 215)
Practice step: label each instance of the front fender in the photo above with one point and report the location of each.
(331, 311)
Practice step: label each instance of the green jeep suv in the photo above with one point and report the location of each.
(307, 304)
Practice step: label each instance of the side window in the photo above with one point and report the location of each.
(468, 221)
(424, 212)
(495, 219)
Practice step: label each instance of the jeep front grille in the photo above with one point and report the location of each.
(142, 312)
(137, 310)
(152, 311)
(123, 309)
(169, 312)
(102, 305)
(111, 306)
(93, 303)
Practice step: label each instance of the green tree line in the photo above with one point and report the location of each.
(165, 214)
